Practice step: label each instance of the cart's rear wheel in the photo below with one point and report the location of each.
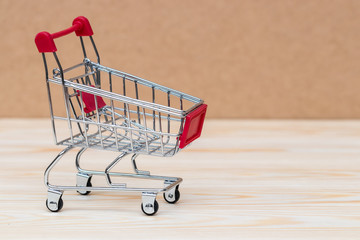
(55, 207)
(150, 209)
(172, 196)
(88, 184)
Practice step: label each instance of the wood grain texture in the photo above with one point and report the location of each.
(242, 180)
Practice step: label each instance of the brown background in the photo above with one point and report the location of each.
(247, 59)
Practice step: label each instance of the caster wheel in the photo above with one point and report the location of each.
(150, 209)
(172, 196)
(54, 207)
(88, 184)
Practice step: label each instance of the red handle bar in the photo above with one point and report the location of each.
(45, 41)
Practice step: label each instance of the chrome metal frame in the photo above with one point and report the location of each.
(123, 126)
(112, 187)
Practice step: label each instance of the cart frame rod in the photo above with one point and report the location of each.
(140, 174)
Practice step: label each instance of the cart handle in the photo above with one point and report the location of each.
(45, 41)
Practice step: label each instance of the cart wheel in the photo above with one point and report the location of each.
(172, 196)
(55, 207)
(88, 184)
(150, 209)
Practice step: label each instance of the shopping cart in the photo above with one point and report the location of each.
(107, 109)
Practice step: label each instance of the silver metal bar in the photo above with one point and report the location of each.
(169, 151)
(137, 97)
(73, 109)
(129, 127)
(77, 159)
(168, 95)
(168, 119)
(179, 134)
(153, 100)
(49, 98)
(137, 171)
(181, 102)
(128, 100)
(110, 166)
(110, 82)
(118, 174)
(73, 95)
(83, 46)
(53, 163)
(73, 67)
(146, 135)
(150, 131)
(161, 136)
(83, 119)
(139, 80)
(113, 188)
(66, 96)
(95, 49)
(124, 93)
(113, 115)
(149, 114)
(146, 82)
(80, 76)
(98, 121)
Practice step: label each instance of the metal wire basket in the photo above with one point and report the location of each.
(107, 109)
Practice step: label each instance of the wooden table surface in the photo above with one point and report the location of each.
(242, 180)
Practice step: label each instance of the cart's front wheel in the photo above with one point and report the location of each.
(88, 184)
(173, 195)
(150, 209)
(54, 206)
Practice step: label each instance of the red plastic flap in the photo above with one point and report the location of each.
(194, 122)
(89, 101)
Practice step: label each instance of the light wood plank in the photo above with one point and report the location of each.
(242, 180)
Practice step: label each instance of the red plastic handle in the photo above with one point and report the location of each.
(45, 41)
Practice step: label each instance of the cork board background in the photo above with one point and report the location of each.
(246, 58)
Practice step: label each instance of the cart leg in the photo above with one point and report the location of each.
(173, 194)
(149, 204)
(77, 159)
(137, 171)
(111, 165)
(54, 202)
(83, 180)
(52, 164)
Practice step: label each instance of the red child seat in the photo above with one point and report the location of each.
(89, 101)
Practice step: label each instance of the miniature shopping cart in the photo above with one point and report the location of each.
(107, 109)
